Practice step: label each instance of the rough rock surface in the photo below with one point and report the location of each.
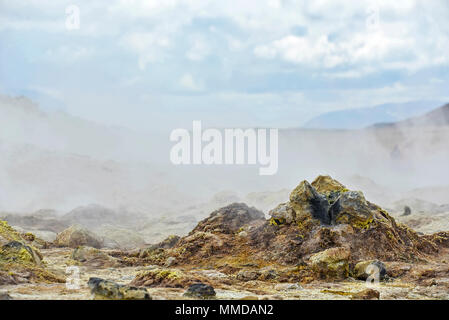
(321, 233)
(77, 236)
(200, 290)
(93, 257)
(20, 261)
(108, 290)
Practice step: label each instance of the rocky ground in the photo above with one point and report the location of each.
(325, 242)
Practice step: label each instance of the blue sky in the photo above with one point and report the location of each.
(149, 64)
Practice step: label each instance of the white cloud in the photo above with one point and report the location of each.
(188, 82)
(199, 50)
(148, 46)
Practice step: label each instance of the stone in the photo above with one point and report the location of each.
(352, 208)
(93, 257)
(367, 294)
(229, 219)
(16, 251)
(108, 290)
(407, 211)
(170, 262)
(75, 236)
(331, 263)
(283, 213)
(200, 290)
(248, 275)
(306, 202)
(327, 185)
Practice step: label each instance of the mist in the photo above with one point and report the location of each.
(52, 160)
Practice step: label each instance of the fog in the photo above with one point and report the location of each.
(56, 161)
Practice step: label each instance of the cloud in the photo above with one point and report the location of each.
(199, 50)
(148, 46)
(188, 82)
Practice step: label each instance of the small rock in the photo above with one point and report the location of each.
(288, 286)
(170, 262)
(331, 263)
(367, 294)
(407, 211)
(109, 290)
(248, 275)
(200, 290)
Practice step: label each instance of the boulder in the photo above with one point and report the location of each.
(331, 263)
(229, 219)
(306, 202)
(352, 208)
(200, 290)
(327, 185)
(16, 251)
(77, 236)
(108, 290)
(283, 213)
(93, 257)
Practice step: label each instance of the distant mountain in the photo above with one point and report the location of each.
(364, 117)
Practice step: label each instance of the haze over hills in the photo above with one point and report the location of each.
(436, 117)
(52, 160)
(362, 117)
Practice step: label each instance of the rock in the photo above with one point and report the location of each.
(200, 290)
(93, 257)
(331, 263)
(109, 290)
(352, 208)
(20, 262)
(160, 277)
(16, 251)
(283, 213)
(367, 294)
(287, 286)
(77, 236)
(170, 262)
(243, 234)
(248, 275)
(7, 233)
(407, 211)
(229, 219)
(327, 185)
(306, 201)
(361, 268)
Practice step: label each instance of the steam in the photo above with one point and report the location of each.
(57, 161)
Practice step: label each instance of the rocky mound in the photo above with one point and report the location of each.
(324, 230)
(20, 260)
(77, 236)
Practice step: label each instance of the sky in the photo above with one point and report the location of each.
(159, 65)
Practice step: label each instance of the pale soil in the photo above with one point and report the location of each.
(57, 260)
